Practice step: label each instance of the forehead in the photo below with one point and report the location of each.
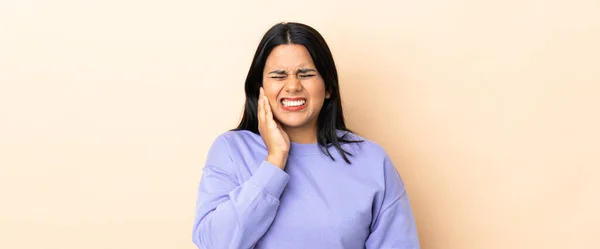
(289, 56)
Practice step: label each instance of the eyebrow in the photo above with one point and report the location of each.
(301, 70)
(305, 70)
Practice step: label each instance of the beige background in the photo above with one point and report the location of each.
(490, 109)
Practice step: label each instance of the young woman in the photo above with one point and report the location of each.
(291, 175)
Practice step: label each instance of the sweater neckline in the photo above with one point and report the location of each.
(304, 149)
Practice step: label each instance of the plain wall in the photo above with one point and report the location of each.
(490, 110)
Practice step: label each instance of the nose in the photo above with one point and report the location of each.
(293, 85)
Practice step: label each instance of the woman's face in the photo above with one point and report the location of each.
(295, 89)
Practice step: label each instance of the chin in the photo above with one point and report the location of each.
(293, 123)
(294, 120)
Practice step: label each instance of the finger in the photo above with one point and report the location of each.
(260, 106)
(267, 107)
(277, 125)
(285, 135)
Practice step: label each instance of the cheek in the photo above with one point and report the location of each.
(271, 91)
(317, 89)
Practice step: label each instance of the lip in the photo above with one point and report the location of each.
(293, 108)
(291, 98)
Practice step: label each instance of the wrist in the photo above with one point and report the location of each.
(278, 160)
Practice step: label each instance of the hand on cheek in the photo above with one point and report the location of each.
(276, 140)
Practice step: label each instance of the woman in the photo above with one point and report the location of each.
(291, 175)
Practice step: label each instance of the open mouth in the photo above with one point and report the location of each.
(289, 103)
(293, 104)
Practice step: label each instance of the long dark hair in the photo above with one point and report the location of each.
(331, 117)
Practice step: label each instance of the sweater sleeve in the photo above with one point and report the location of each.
(393, 227)
(232, 214)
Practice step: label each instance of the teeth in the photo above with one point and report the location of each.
(293, 102)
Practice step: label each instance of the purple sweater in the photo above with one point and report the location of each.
(245, 202)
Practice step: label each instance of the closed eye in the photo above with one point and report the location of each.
(306, 75)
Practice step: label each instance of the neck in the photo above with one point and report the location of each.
(302, 135)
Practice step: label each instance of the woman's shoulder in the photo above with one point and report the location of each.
(361, 145)
(232, 145)
(239, 138)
